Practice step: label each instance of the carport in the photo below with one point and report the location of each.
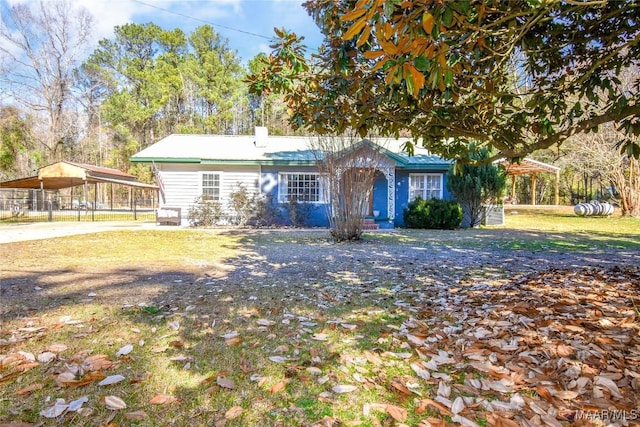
(66, 174)
(533, 167)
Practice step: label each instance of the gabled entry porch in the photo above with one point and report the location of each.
(367, 182)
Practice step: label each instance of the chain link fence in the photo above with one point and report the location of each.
(42, 206)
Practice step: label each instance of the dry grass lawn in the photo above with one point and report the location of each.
(534, 323)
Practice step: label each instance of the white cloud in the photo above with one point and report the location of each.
(248, 24)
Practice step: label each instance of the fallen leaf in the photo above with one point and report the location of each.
(56, 410)
(27, 356)
(277, 387)
(314, 370)
(125, 350)
(319, 337)
(233, 412)
(111, 379)
(265, 322)
(401, 388)
(97, 363)
(162, 399)
(65, 378)
(464, 421)
(425, 403)
(344, 388)
(114, 403)
(396, 412)
(136, 415)
(57, 348)
(457, 406)
(229, 335)
(608, 384)
(76, 405)
(225, 382)
(28, 389)
(46, 357)
(550, 421)
(233, 341)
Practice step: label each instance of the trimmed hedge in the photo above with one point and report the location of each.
(433, 214)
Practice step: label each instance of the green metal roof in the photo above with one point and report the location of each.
(274, 150)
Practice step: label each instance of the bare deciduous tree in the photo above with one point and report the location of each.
(596, 155)
(348, 168)
(40, 48)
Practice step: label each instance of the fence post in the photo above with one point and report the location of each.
(78, 211)
(135, 211)
(50, 210)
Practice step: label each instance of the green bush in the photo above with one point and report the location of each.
(434, 214)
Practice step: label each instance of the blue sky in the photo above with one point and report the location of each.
(247, 24)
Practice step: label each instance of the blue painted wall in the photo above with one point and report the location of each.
(314, 213)
(380, 195)
(402, 192)
(317, 215)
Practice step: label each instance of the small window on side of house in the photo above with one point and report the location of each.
(211, 186)
(425, 185)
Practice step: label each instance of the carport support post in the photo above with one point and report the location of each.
(42, 192)
(533, 188)
(556, 193)
(95, 201)
(86, 194)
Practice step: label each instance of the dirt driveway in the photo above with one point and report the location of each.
(47, 230)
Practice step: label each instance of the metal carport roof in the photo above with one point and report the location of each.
(70, 174)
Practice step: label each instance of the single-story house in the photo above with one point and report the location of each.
(285, 168)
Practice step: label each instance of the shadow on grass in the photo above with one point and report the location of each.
(201, 327)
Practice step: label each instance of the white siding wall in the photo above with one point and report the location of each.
(183, 182)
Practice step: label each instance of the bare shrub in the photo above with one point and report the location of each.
(348, 166)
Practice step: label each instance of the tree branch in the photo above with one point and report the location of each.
(630, 110)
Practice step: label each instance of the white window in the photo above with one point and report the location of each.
(211, 186)
(425, 185)
(302, 187)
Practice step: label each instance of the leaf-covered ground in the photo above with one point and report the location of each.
(286, 329)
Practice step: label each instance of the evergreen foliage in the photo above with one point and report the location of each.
(463, 75)
(476, 185)
(433, 214)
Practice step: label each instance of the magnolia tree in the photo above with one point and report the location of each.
(443, 71)
(348, 167)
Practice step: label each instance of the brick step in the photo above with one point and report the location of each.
(370, 224)
(373, 226)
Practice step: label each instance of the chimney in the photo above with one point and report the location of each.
(262, 134)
